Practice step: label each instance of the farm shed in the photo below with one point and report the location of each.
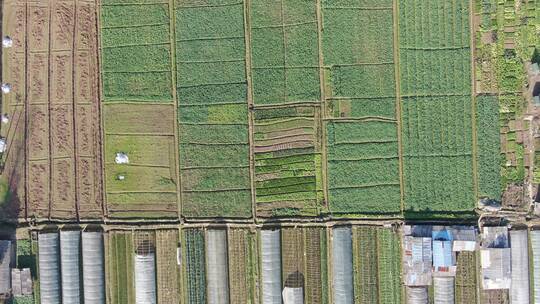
(271, 266)
(535, 245)
(443, 290)
(496, 268)
(417, 295)
(5, 263)
(93, 268)
(495, 237)
(342, 266)
(49, 267)
(21, 282)
(417, 260)
(216, 259)
(444, 260)
(519, 291)
(69, 261)
(145, 273)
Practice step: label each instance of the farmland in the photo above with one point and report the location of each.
(138, 111)
(437, 159)
(285, 75)
(195, 269)
(119, 259)
(55, 46)
(213, 109)
(377, 265)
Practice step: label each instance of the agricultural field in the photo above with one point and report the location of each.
(194, 271)
(466, 278)
(212, 93)
(242, 254)
(437, 107)
(56, 103)
(302, 261)
(119, 256)
(377, 265)
(138, 110)
(168, 276)
(360, 94)
(286, 93)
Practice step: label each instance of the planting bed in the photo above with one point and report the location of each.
(212, 109)
(61, 161)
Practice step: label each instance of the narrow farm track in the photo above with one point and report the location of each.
(473, 100)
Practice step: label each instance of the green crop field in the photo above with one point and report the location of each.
(377, 265)
(212, 109)
(120, 267)
(437, 139)
(138, 109)
(195, 274)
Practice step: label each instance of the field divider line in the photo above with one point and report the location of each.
(399, 114)
(212, 103)
(283, 25)
(213, 167)
(208, 6)
(308, 119)
(101, 107)
(213, 124)
(174, 74)
(358, 64)
(309, 141)
(141, 102)
(213, 61)
(210, 38)
(135, 72)
(365, 186)
(288, 136)
(134, 4)
(450, 48)
(137, 134)
(139, 165)
(473, 103)
(285, 67)
(119, 46)
(214, 144)
(141, 191)
(211, 84)
(300, 103)
(439, 155)
(129, 25)
(215, 190)
(363, 159)
(75, 111)
(49, 78)
(361, 119)
(359, 97)
(367, 8)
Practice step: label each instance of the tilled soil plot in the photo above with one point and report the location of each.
(56, 131)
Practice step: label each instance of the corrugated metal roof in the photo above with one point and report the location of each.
(519, 291)
(443, 256)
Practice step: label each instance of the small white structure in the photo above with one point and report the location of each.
(6, 88)
(7, 42)
(2, 145)
(293, 295)
(5, 118)
(121, 158)
(121, 177)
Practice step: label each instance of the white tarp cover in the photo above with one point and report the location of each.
(535, 245)
(93, 268)
(519, 290)
(7, 42)
(217, 274)
(417, 295)
(69, 261)
(271, 266)
(342, 267)
(293, 295)
(443, 290)
(49, 268)
(145, 278)
(496, 268)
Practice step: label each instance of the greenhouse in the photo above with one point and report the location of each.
(271, 266)
(69, 257)
(342, 265)
(443, 290)
(49, 268)
(93, 268)
(417, 295)
(217, 274)
(145, 269)
(519, 288)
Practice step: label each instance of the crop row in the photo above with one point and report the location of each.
(389, 259)
(120, 257)
(383, 107)
(195, 266)
(437, 125)
(367, 4)
(353, 36)
(136, 53)
(212, 113)
(437, 23)
(362, 81)
(432, 72)
(489, 146)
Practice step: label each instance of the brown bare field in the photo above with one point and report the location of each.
(138, 118)
(167, 268)
(238, 266)
(59, 109)
(292, 255)
(313, 265)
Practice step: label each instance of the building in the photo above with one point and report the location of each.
(444, 259)
(495, 258)
(5, 272)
